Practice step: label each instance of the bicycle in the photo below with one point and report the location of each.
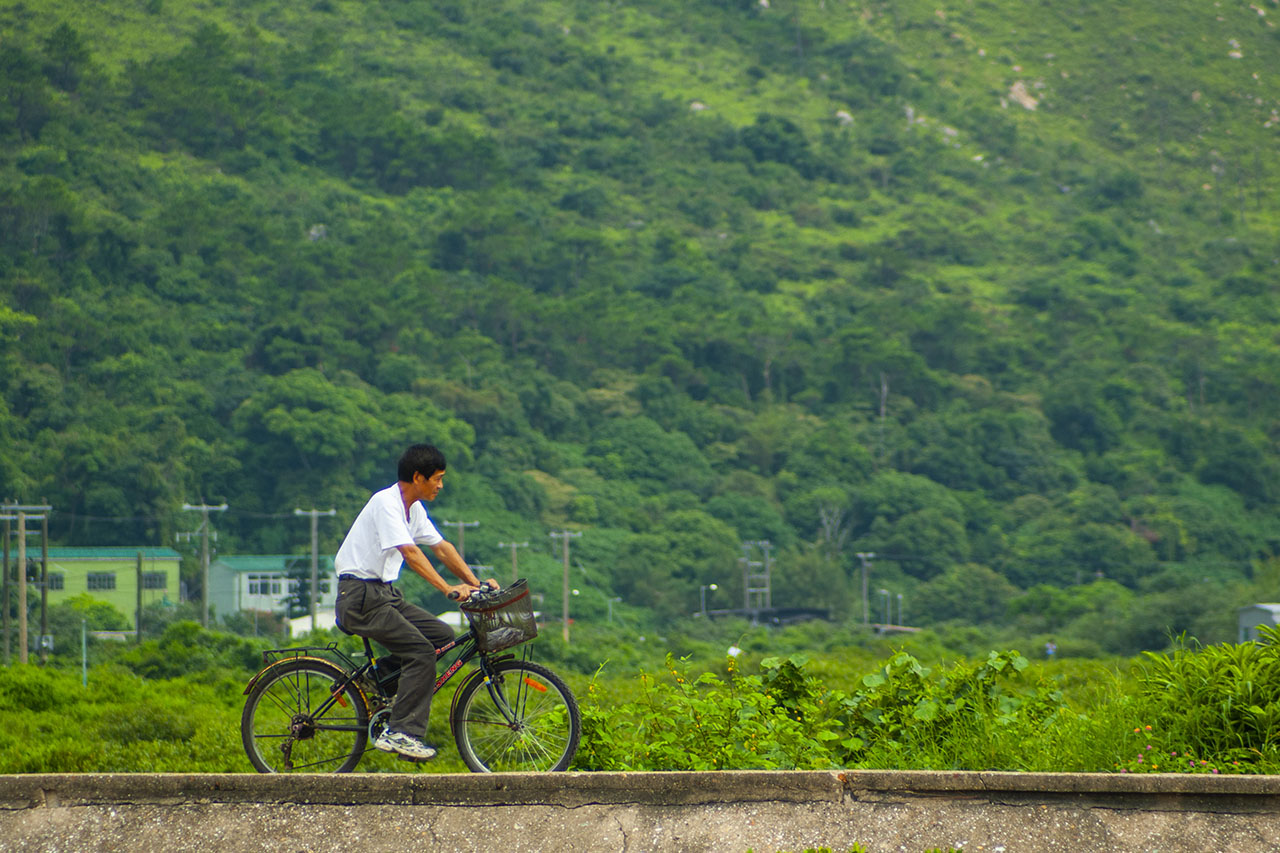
(313, 709)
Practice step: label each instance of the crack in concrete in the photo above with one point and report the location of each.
(626, 842)
(907, 798)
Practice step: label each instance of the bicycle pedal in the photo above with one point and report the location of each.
(410, 758)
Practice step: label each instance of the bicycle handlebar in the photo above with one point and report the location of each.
(483, 590)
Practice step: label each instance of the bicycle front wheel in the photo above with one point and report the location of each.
(300, 718)
(523, 719)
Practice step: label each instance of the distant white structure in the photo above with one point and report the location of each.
(325, 621)
(302, 625)
(1253, 617)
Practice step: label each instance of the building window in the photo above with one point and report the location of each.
(153, 580)
(100, 581)
(57, 581)
(264, 584)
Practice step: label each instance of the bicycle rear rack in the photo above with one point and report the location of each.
(270, 656)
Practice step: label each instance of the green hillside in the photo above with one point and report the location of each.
(989, 289)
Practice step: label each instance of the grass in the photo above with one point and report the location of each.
(1198, 710)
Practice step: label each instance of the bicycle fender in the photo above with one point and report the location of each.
(453, 704)
(322, 661)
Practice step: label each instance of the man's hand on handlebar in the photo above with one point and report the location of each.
(463, 591)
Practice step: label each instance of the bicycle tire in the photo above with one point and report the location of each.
(544, 734)
(280, 731)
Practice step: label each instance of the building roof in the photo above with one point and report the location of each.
(1274, 608)
(271, 562)
(111, 553)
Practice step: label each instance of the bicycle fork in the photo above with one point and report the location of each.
(493, 683)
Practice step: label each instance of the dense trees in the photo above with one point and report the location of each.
(679, 277)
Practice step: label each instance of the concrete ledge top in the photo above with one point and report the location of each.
(578, 789)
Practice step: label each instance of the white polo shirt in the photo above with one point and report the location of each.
(370, 549)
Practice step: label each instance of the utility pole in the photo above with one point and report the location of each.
(884, 411)
(315, 514)
(7, 533)
(23, 516)
(204, 510)
(565, 536)
(45, 639)
(22, 587)
(866, 557)
(137, 618)
(515, 572)
(461, 525)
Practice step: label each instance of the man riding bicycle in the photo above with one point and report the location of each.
(386, 535)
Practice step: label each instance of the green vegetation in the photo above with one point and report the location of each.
(988, 290)
(174, 703)
(1002, 713)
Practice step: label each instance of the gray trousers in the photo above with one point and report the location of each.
(378, 611)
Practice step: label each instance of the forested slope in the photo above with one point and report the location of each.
(987, 288)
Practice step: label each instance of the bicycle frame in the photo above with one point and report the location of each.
(353, 673)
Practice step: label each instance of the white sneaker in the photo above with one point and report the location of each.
(406, 745)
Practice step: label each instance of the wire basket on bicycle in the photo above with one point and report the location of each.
(502, 619)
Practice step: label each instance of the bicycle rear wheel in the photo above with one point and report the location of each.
(525, 719)
(290, 724)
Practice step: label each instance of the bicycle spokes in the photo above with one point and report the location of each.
(524, 718)
(304, 714)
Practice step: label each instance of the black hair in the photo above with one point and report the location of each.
(420, 458)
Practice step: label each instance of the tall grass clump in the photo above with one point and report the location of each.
(1219, 704)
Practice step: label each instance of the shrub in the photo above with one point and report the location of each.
(705, 722)
(968, 716)
(1221, 701)
(36, 690)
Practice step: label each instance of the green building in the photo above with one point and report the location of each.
(113, 575)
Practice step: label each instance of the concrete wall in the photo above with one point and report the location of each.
(730, 811)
